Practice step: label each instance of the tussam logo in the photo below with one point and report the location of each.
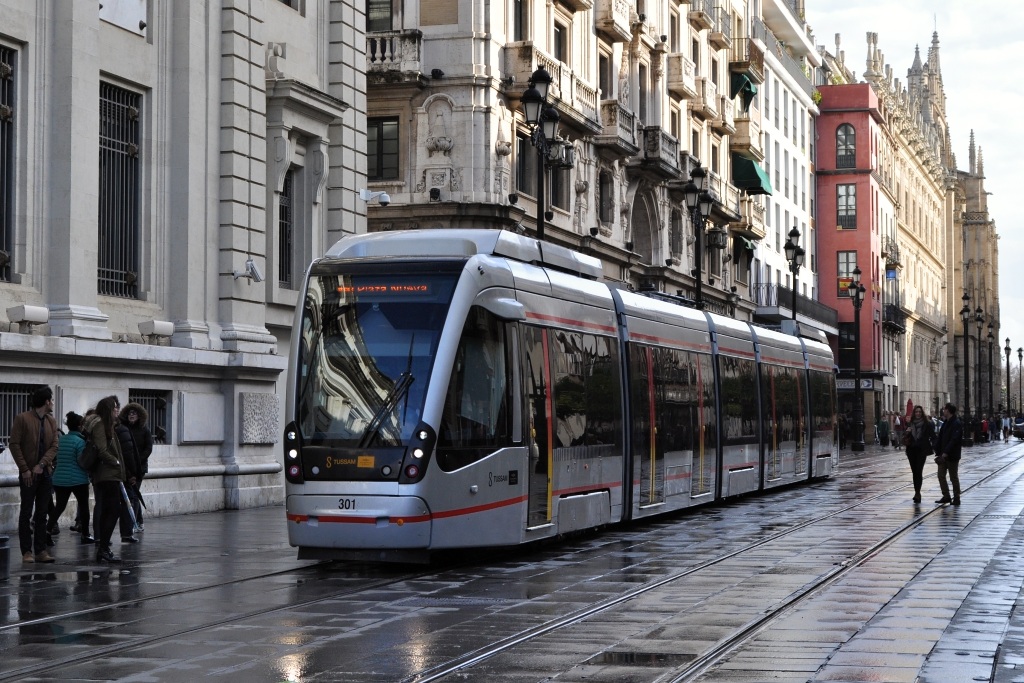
(512, 478)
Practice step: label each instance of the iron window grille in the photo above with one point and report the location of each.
(285, 226)
(382, 149)
(846, 146)
(119, 192)
(14, 399)
(156, 403)
(7, 83)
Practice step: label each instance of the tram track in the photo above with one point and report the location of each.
(466, 662)
(722, 648)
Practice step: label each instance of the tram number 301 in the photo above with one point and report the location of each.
(346, 503)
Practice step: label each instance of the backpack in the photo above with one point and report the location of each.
(89, 457)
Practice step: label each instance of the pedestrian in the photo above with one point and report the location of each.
(1006, 427)
(130, 458)
(882, 428)
(33, 446)
(136, 418)
(842, 430)
(984, 429)
(109, 474)
(918, 438)
(947, 449)
(69, 478)
(897, 431)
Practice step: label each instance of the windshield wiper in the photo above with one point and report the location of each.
(399, 390)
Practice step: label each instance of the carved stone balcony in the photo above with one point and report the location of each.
(720, 36)
(748, 58)
(724, 123)
(661, 153)
(394, 57)
(617, 138)
(705, 105)
(682, 75)
(612, 20)
(746, 141)
(575, 98)
(700, 15)
(751, 223)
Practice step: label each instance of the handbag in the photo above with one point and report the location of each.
(89, 457)
(908, 438)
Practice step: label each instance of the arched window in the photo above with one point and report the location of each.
(846, 147)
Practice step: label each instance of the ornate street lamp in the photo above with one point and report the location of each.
(699, 203)
(543, 117)
(795, 255)
(1008, 350)
(1020, 362)
(857, 294)
(965, 318)
(979, 318)
(991, 338)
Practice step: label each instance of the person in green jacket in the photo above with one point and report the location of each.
(108, 475)
(883, 429)
(69, 478)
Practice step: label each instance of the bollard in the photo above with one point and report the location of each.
(5, 558)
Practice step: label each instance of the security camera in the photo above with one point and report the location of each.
(384, 199)
(253, 271)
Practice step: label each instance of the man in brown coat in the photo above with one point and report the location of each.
(33, 446)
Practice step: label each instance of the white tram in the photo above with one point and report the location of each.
(457, 388)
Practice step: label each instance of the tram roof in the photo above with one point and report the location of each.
(440, 243)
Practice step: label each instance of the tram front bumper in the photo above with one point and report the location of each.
(358, 521)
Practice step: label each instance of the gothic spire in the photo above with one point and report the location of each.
(972, 156)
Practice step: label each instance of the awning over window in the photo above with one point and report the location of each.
(747, 244)
(742, 85)
(748, 175)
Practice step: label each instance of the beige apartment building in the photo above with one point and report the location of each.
(645, 93)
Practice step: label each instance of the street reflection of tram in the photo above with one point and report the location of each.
(461, 388)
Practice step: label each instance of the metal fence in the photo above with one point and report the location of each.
(14, 399)
(118, 257)
(157, 404)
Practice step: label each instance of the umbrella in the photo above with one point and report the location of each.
(131, 510)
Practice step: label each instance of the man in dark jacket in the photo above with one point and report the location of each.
(947, 453)
(130, 453)
(134, 417)
(34, 435)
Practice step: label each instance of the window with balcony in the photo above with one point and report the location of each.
(526, 166)
(382, 148)
(604, 75)
(558, 187)
(605, 197)
(7, 83)
(119, 189)
(846, 146)
(560, 43)
(378, 15)
(846, 263)
(642, 92)
(846, 206)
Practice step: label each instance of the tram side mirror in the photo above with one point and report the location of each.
(503, 307)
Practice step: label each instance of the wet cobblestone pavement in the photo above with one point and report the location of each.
(220, 596)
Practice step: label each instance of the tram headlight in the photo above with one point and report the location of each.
(294, 471)
(412, 471)
(417, 453)
(293, 454)
(423, 435)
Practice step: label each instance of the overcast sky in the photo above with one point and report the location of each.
(980, 43)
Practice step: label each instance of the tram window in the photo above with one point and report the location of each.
(739, 400)
(476, 419)
(587, 395)
(823, 401)
(784, 412)
(684, 401)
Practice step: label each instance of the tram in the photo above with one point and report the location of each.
(459, 388)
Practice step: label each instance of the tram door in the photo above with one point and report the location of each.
(648, 451)
(539, 411)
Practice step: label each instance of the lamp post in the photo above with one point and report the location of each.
(542, 117)
(795, 255)
(979, 318)
(965, 318)
(699, 202)
(1020, 361)
(1008, 350)
(991, 338)
(857, 294)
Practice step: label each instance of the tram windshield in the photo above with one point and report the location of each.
(368, 341)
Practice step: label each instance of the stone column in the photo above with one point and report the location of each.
(69, 100)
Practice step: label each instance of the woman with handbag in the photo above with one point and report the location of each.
(918, 438)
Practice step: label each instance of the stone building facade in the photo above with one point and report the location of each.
(645, 92)
(168, 169)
